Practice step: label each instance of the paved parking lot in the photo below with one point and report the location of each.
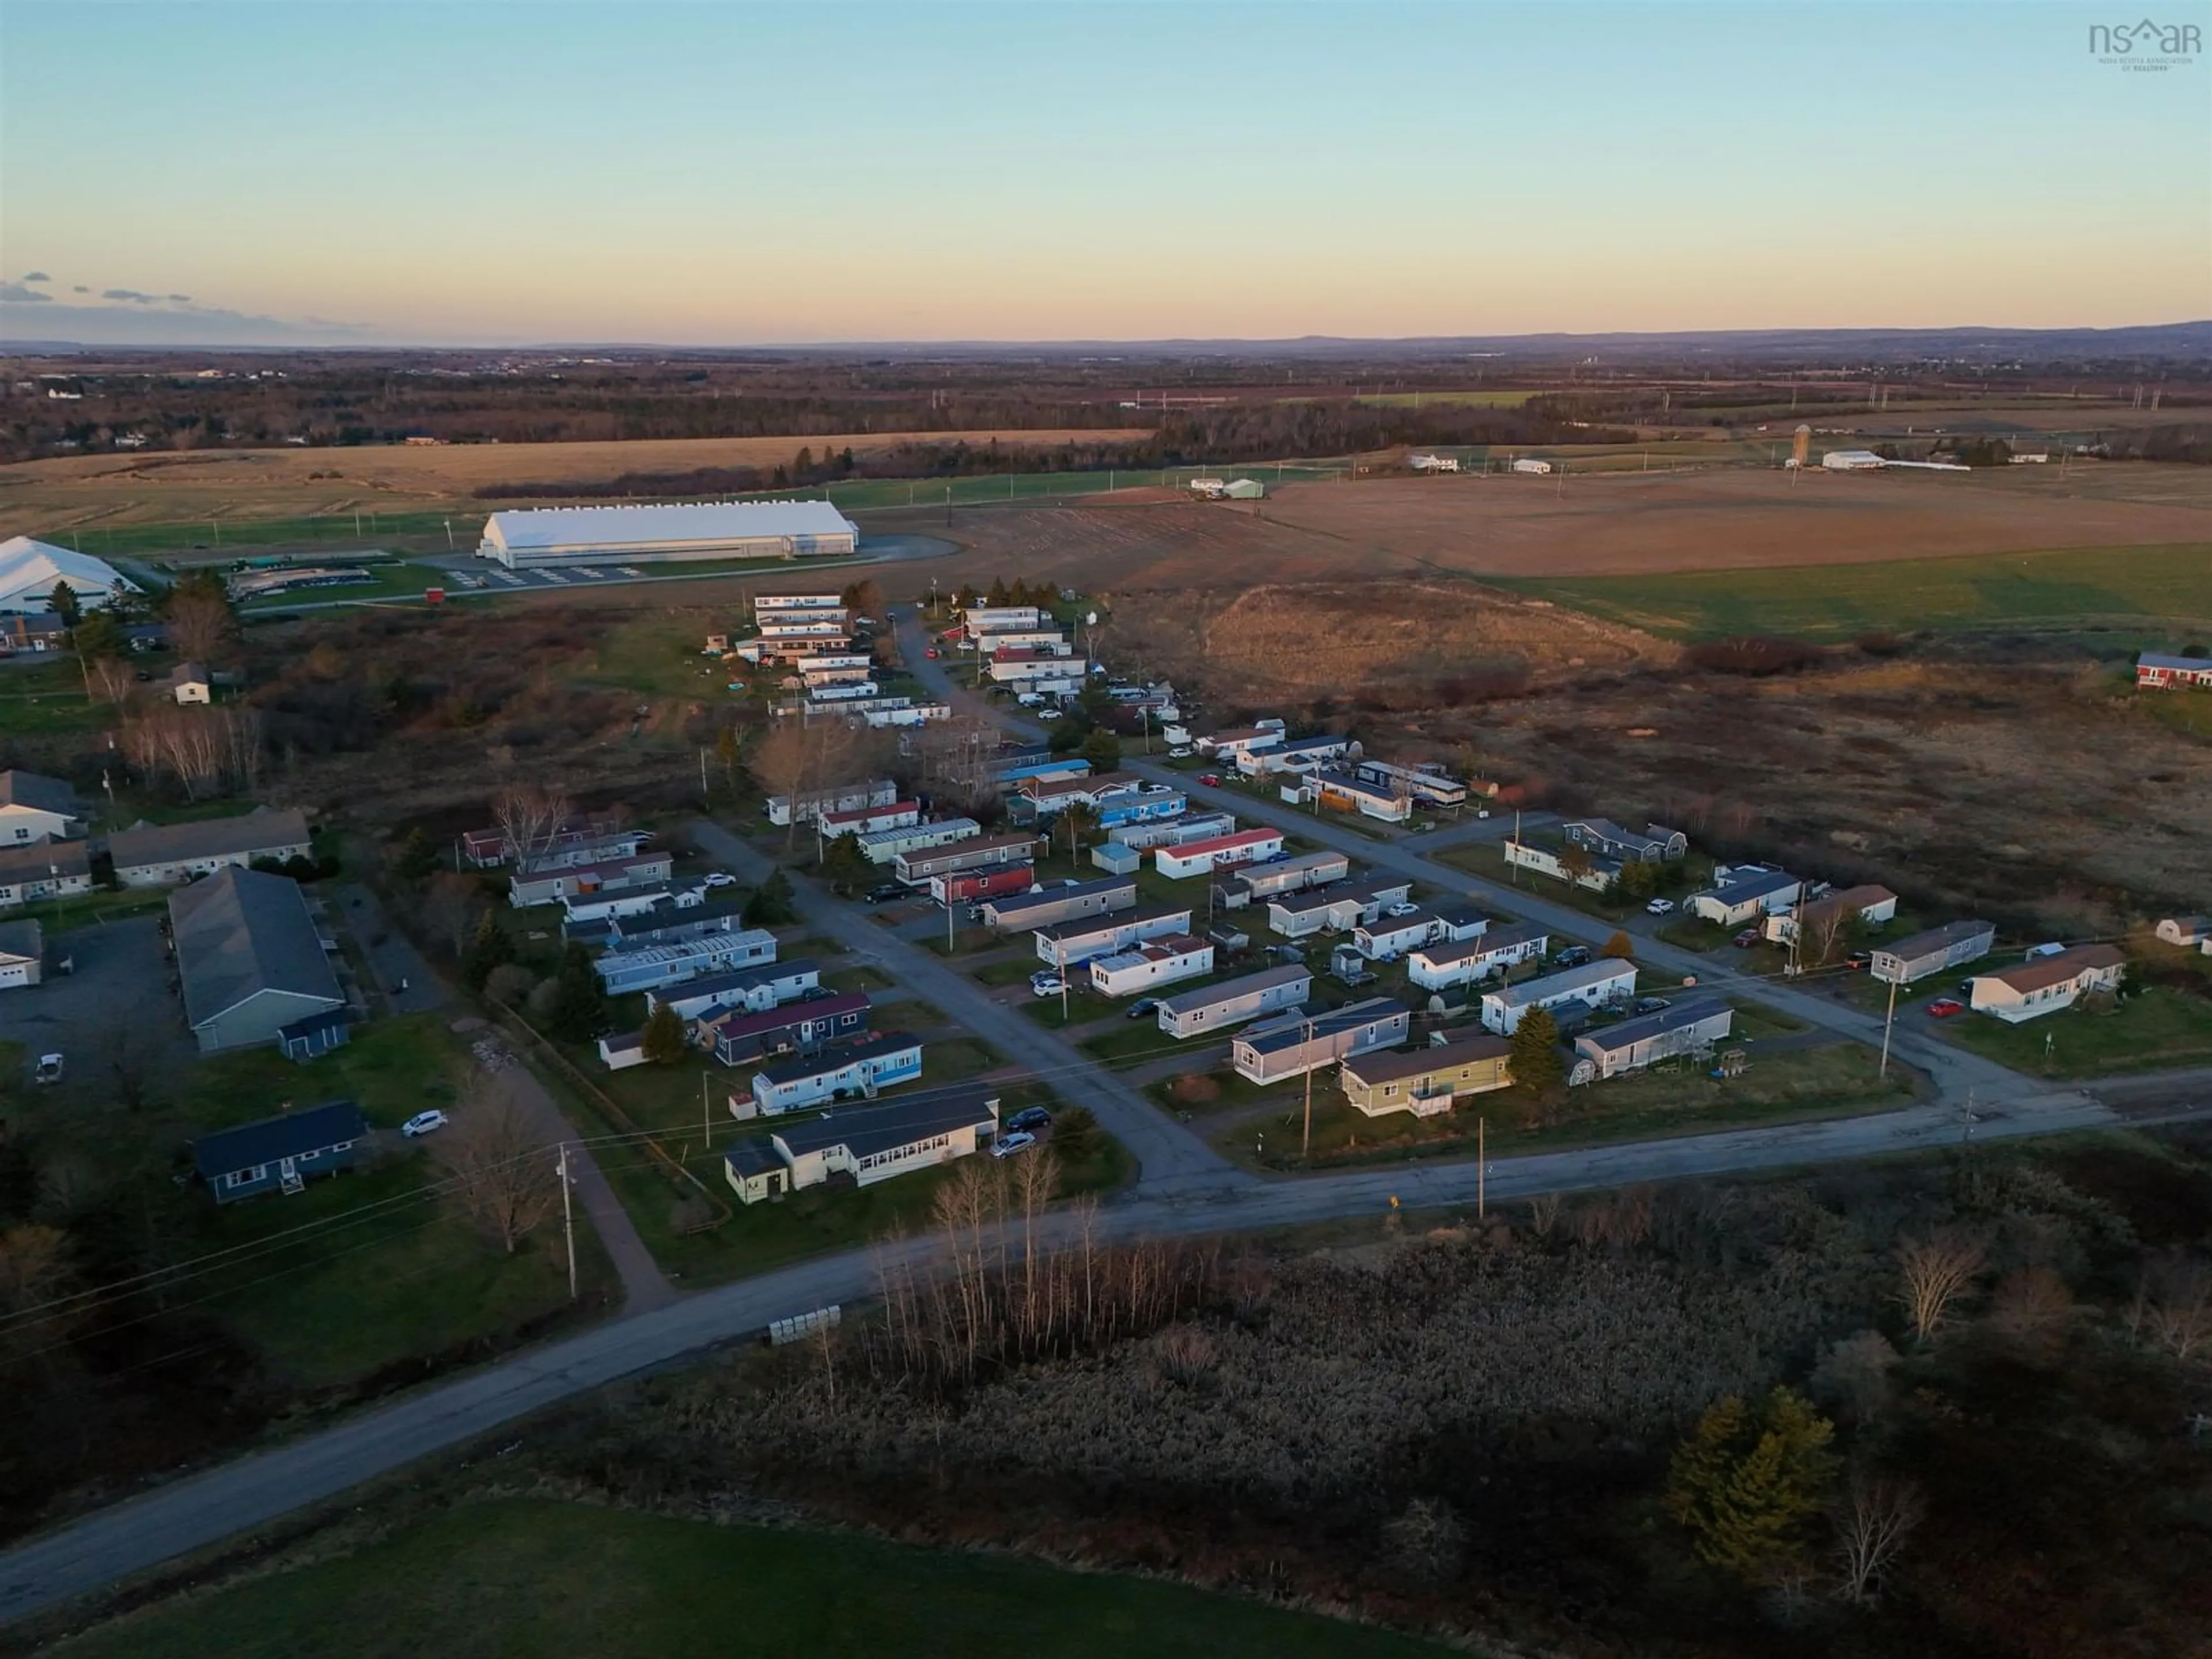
(122, 978)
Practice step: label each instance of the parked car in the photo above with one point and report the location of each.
(1945, 1007)
(1007, 1145)
(50, 1069)
(720, 878)
(931, 653)
(424, 1123)
(1140, 1007)
(1047, 985)
(1660, 908)
(1211, 779)
(1652, 1004)
(1745, 939)
(1573, 957)
(1402, 910)
(1181, 751)
(1859, 959)
(885, 893)
(1029, 1119)
(2056, 947)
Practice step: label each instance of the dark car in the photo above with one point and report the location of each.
(886, 893)
(1030, 1120)
(1140, 1007)
(1573, 957)
(1859, 959)
(1745, 939)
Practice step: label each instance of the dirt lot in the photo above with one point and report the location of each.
(288, 483)
(1637, 523)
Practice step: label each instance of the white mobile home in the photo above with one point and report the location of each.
(1592, 985)
(1952, 945)
(1292, 1044)
(1633, 1044)
(1214, 1008)
(1447, 962)
(2048, 983)
(1146, 967)
(1073, 942)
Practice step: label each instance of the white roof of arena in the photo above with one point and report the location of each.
(29, 571)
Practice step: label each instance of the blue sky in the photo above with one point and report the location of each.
(727, 174)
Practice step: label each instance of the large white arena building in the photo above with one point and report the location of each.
(535, 537)
(30, 571)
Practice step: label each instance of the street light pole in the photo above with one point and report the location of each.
(568, 1220)
(1305, 1145)
(1888, 1020)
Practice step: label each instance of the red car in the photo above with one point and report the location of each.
(931, 653)
(1746, 938)
(1211, 779)
(1944, 1007)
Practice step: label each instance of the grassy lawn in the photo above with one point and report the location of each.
(1133, 1040)
(1231, 1092)
(398, 580)
(1671, 1099)
(2161, 1028)
(1015, 971)
(48, 700)
(522, 1575)
(1487, 861)
(658, 655)
(88, 909)
(2070, 588)
(1756, 1019)
(860, 977)
(2188, 711)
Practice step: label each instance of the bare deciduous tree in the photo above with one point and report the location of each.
(34, 1272)
(451, 908)
(1937, 1271)
(500, 1174)
(529, 816)
(1854, 1374)
(1872, 1520)
(200, 625)
(2032, 1309)
(2173, 1304)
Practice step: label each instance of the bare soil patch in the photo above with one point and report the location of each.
(1627, 524)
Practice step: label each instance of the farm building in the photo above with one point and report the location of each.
(1635, 1043)
(1073, 942)
(22, 955)
(1743, 893)
(1293, 1044)
(531, 537)
(1931, 952)
(2156, 672)
(44, 869)
(1852, 460)
(1156, 961)
(650, 967)
(843, 1071)
(279, 1154)
(254, 967)
(1219, 852)
(1537, 467)
(30, 571)
(147, 855)
(1819, 922)
(1433, 462)
(1447, 962)
(765, 985)
(869, 1142)
(2048, 984)
(1426, 1081)
(1213, 1008)
(35, 807)
(190, 683)
(1590, 986)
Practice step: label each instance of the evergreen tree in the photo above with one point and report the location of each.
(579, 1010)
(998, 596)
(1102, 748)
(64, 603)
(1745, 1484)
(491, 949)
(1535, 1057)
(772, 901)
(666, 1042)
(844, 865)
(416, 858)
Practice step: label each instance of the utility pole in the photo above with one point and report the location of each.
(1305, 1145)
(568, 1220)
(1888, 1020)
(706, 1111)
(1481, 1167)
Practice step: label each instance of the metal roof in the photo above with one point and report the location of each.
(22, 941)
(1935, 939)
(1291, 1030)
(1212, 996)
(1566, 979)
(262, 830)
(1396, 1065)
(544, 528)
(1630, 1032)
(29, 571)
(274, 1137)
(239, 933)
(838, 1056)
(35, 860)
(39, 792)
(2187, 664)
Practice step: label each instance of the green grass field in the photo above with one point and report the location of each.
(397, 579)
(2162, 1027)
(2170, 587)
(519, 1577)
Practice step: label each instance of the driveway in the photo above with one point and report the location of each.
(392, 958)
(121, 981)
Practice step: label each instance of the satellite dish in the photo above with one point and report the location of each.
(1091, 619)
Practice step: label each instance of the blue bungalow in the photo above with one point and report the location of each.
(279, 1153)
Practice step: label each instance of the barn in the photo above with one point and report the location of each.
(536, 537)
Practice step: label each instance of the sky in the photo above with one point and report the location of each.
(734, 173)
